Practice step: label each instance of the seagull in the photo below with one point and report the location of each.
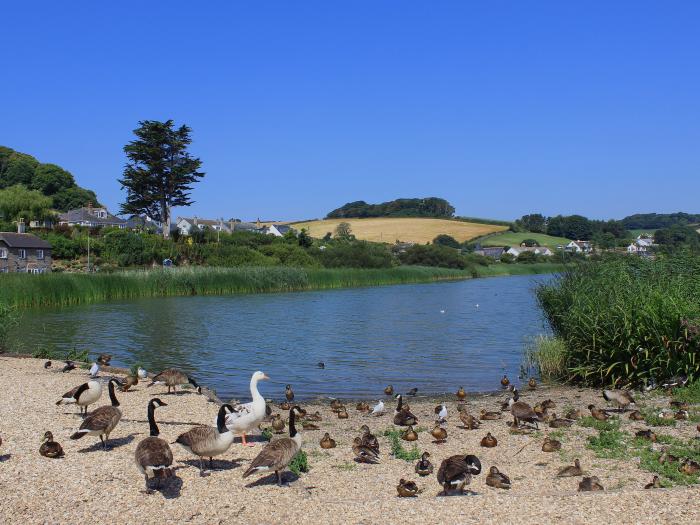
(477, 305)
(94, 370)
(442, 311)
(442, 414)
(378, 409)
(142, 373)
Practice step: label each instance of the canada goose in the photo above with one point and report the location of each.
(497, 479)
(47, 364)
(70, 365)
(327, 441)
(469, 422)
(532, 384)
(153, 455)
(306, 425)
(456, 472)
(343, 414)
(278, 424)
(574, 413)
(412, 392)
(461, 394)
(316, 416)
(102, 420)
(523, 412)
(505, 381)
(205, 441)
(689, 467)
(49, 448)
(289, 393)
(409, 434)
(590, 484)
(104, 359)
(173, 378)
(128, 382)
(246, 416)
(82, 395)
(439, 433)
(489, 441)
(378, 409)
(362, 407)
(406, 489)
(550, 445)
(636, 415)
(441, 414)
(570, 470)
(141, 372)
(389, 390)
(279, 453)
(597, 413)
(424, 467)
(489, 416)
(646, 434)
(402, 415)
(557, 422)
(284, 405)
(619, 398)
(94, 370)
(654, 484)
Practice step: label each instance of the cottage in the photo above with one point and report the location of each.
(91, 217)
(579, 247)
(278, 230)
(494, 252)
(24, 252)
(537, 250)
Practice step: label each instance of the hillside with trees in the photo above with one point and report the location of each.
(650, 221)
(427, 207)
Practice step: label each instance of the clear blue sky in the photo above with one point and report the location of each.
(503, 108)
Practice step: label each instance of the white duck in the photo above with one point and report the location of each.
(247, 416)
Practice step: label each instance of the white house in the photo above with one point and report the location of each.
(579, 247)
(278, 230)
(537, 250)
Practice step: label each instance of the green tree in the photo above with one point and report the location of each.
(304, 239)
(160, 171)
(529, 243)
(446, 240)
(50, 179)
(75, 197)
(17, 201)
(18, 169)
(343, 231)
(535, 223)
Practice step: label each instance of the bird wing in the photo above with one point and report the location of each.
(275, 456)
(101, 418)
(154, 451)
(451, 468)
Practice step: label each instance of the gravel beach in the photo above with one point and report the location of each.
(91, 485)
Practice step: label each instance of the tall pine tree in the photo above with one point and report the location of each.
(160, 172)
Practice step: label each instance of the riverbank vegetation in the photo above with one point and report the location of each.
(626, 320)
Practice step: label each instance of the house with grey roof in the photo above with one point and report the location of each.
(91, 217)
(24, 252)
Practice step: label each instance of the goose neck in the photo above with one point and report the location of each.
(112, 396)
(254, 389)
(152, 420)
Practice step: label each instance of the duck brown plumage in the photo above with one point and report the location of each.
(327, 441)
(49, 448)
(497, 479)
(571, 470)
(406, 489)
(424, 467)
(636, 415)
(654, 484)
(469, 422)
(461, 394)
(409, 434)
(489, 441)
(589, 484)
(439, 433)
(456, 472)
(597, 413)
(550, 445)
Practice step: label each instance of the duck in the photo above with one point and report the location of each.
(497, 479)
(679, 405)
(321, 364)
(505, 381)
(368, 439)
(277, 454)
(309, 426)
(557, 422)
(407, 489)
(49, 448)
(636, 415)
(666, 414)
(343, 414)
(424, 467)
(571, 470)
(489, 416)
(646, 434)
(619, 398)
(409, 434)
(574, 413)
(289, 393)
(461, 394)
(522, 412)
(141, 373)
(681, 415)
(362, 407)
(532, 384)
(597, 413)
(456, 472)
(439, 433)
(316, 416)
(205, 441)
(103, 420)
(327, 441)
(469, 422)
(441, 414)
(285, 405)
(665, 457)
(153, 455)
(489, 441)
(128, 382)
(590, 484)
(654, 484)
(389, 390)
(48, 364)
(336, 405)
(278, 424)
(689, 467)
(82, 395)
(413, 392)
(104, 359)
(173, 378)
(402, 415)
(378, 409)
(247, 416)
(69, 365)
(550, 445)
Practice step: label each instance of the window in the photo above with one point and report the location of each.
(3, 253)
(22, 253)
(40, 254)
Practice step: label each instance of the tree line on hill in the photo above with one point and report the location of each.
(426, 207)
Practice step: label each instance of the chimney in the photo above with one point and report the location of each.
(195, 220)
(21, 228)
(232, 225)
(89, 207)
(257, 223)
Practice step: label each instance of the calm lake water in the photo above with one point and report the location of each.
(430, 336)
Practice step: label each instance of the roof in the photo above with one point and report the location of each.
(24, 240)
(282, 228)
(79, 215)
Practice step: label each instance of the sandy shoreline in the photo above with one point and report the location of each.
(92, 485)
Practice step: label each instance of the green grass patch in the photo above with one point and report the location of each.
(609, 444)
(44, 351)
(500, 269)
(300, 463)
(652, 418)
(610, 425)
(669, 473)
(559, 435)
(689, 393)
(509, 238)
(397, 449)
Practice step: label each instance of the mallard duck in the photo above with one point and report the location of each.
(153, 455)
(306, 425)
(571, 470)
(278, 424)
(327, 441)
(82, 395)
(574, 413)
(505, 381)
(461, 394)
(469, 422)
(316, 416)
(619, 398)
(362, 407)
(636, 415)
(548, 404)
(389, 390)
(681, 415)
(589, 484)
(489, 416)
(689, 467)
(597, 413)
(102, 420)
(439, 433)
(336, 405)
(378, 409)
(646, 434)
(550, 445)
(456, 472)
(532, 384)
(47, 364)
(289, 393)
(402, 415)
(205, 441)
(679, 405)
(412, 392)
(665, 457)
(667, 415)
(557, 422)
(279, 453)
(321, 364)
(654, 484)
(70, 365)
(343, 414)
(406, 489)
(497, 479)
(364, 453)
(244, 417)
(489, 441)
(49, 448)
(409, 434)
(424, 467)
(173, 378)
(128, 382)
(368, 439)
(284, 405)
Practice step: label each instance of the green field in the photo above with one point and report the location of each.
(514, 239)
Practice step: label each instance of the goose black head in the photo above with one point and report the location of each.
(158, 403)
(473, 464)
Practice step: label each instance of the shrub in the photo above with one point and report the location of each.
(356, 254)
(446, 240)
(433, 255)
(548, 356)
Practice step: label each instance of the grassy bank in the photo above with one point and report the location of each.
(518, 269)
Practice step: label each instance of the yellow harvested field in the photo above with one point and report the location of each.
(389, 230)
